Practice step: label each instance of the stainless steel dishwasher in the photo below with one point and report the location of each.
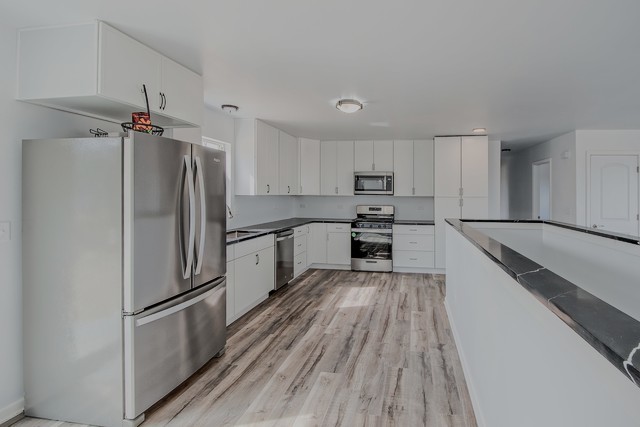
(284, 257)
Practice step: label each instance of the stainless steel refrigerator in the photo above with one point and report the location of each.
(124, 262)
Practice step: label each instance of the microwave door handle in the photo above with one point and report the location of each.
(203, 216)
(192, 218)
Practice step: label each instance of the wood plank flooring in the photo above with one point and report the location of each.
(334, 348)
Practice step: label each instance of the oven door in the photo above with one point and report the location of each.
(371, 250)
(373, 183)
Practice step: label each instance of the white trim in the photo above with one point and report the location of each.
(12, 410)
(419, 270)
(330, 266)
(535, 191)
(473, 394)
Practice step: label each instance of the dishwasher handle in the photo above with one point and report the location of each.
(284, 235)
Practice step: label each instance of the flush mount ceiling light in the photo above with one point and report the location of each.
(349, 105)
(229, 108)
(479, 130)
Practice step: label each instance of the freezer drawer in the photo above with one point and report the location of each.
(165, 345)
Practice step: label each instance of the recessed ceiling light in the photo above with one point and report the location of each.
(349, 105)
(229, 108)
(480, 130)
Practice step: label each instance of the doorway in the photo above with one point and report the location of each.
(542, 189)
(613, 193)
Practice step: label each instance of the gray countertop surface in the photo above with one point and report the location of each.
(276, 226)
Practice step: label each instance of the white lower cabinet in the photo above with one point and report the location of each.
(250, 275)
(329, 243)
(413, 247)
(300, 236)
(317, 243)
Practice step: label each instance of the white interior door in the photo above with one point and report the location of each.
(542, 189)
(614, 193)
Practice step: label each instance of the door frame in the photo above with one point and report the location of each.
(535, 208)
(591, 153)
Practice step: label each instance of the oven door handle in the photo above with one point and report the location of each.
(372, 230)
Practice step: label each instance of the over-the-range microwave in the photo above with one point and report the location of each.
(373, 183)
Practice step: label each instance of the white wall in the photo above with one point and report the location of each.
(598, 141)
(495, 148)
(20, 121)
(562, 151)
(345, 206)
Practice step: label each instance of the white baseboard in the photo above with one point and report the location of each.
(330, 266)
(475, 402)
(11, 411)
(419, 270)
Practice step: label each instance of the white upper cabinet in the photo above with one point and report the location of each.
(373, 156)
(179, 91)
(363, 160)
(336, 168)
(413, 168)
(95, 70)
(138, 65)
(475, 161)
(288, 162)
(257, 158)
(447, 166)
(309, 166)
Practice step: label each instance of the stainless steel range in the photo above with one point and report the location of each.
(372, 238)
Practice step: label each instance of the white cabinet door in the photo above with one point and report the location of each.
(444, 207)
(447, 166)
(317, 243)
(309, 166)
(328, 168)
(124, 66)
(181, 92)
(344, 164)
(363, 160)
(475, 208)
(266, 159)
(288, 164)
(339, 248)
(254, 278)
(475, 163)
(383, 156)
(403, 168)
(423, 168)
(231, 292)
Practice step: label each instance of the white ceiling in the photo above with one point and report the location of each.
(525, 69)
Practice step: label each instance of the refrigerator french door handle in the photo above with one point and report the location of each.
(192, 218)
(203, 216)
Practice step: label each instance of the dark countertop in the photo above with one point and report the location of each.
(414, 222)
(614, 334)
(283, 224)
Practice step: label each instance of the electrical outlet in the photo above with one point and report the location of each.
(302, 206)
(5, 230)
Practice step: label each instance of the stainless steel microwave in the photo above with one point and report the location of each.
(373, 183)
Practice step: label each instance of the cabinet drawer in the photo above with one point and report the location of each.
(299, 245)
(301, 231)
(253, 245)
(414, 259)
(337, 227)
(414, 229)
(416, 242)
(299, 264)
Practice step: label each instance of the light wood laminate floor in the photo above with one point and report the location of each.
(334, 348)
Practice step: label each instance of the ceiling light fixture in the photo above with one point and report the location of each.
(229, 108)
(349, 105)
(479, 130)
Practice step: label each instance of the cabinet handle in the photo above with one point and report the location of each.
(336, 190)
(413, 243)
(461, 202)
(461, 191)
(268, 188)
(288, 189)
(413, 259)
(413, 229)
(257, 259)
(165, 101)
